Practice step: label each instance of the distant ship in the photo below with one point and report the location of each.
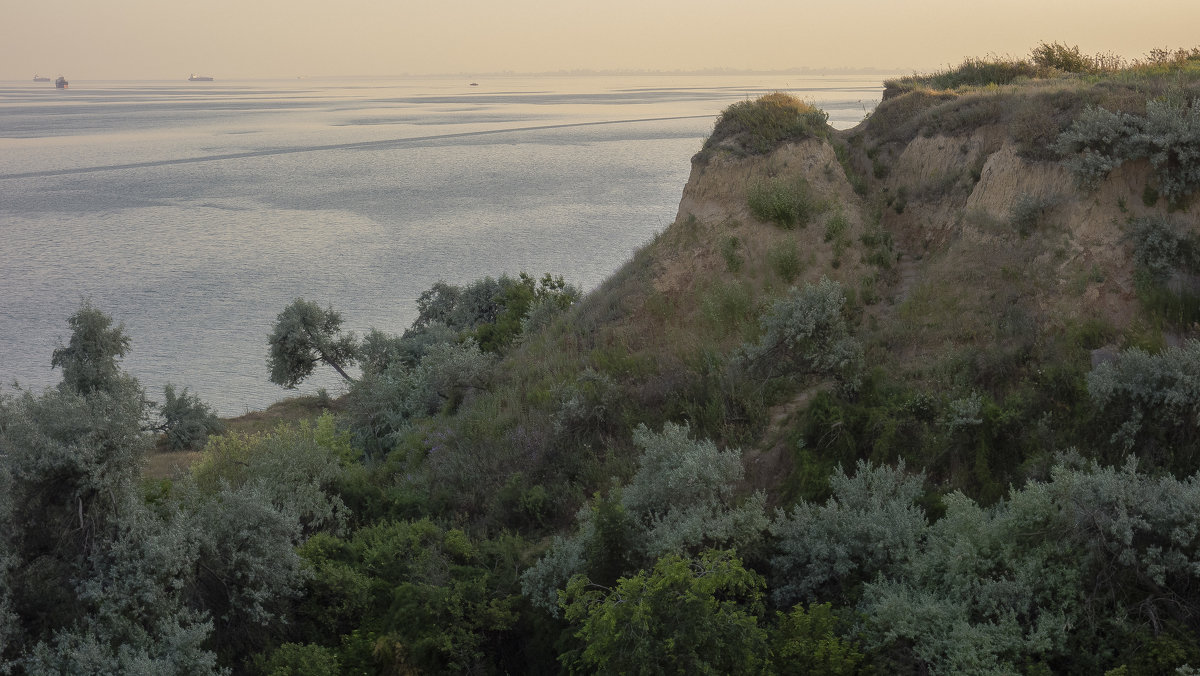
(60, 83)
(40, 78)
(199, 78)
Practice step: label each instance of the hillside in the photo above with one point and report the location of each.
(921, 396)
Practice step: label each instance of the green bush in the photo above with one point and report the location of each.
(187, 421)
(729, 251)
(1152, 400)
(784, 259)
(680, 500)
(805, 333)
(728, 305)
(1061, 57)
(1026, 213)
(1161, 247)
(786, 202)
(1168, 136)
(685, 616)
(757, 127)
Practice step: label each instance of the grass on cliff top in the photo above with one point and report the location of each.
(757, 127)
(1033, 99)
(1048, 61)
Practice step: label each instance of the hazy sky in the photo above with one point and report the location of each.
(147, 39)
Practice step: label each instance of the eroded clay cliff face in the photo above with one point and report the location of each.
(952, 204)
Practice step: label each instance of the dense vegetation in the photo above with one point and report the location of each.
(794, 461)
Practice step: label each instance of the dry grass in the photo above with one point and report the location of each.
(163, 463)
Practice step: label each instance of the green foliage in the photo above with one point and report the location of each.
(679, 500)
(805, 333)
(729, 251)
(682, 494)
(1065, 572)
(381, 406)
(494, 312)
(808, 642)
(1153, 402)
(424, 597)
(304, 336)
(187, 421)
(295, 468)
(786, 202)
(294, 659)
(870, 526)
(1168, 136)
(89, 359)
(686, 616)
(757, 127)
(977, 72)
(784, 259)
(728, 305)
(1161, 247)
(835, 227)
(1061, 57)
(1027, 213)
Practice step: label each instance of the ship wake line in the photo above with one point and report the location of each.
(361, 145)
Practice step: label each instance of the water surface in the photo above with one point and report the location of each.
(194, 212)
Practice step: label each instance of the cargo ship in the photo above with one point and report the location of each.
(199, 78)
(40, 78)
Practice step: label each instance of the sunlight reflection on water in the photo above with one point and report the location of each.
(194, 215)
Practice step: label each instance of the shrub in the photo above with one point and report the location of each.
(729, 251)
(760, 126)
(1026, 213)
(870, 526)
(807, 642)
(806, 333)
(784, 259)
(1168, 136)
(836, 227)
(293, 659)
(1061, 57)
(1160, 247)
(1153, 400)
(728, 305)
(686, 616)
(187, 421)
(977, 72)
(784, 202)
(680, 500)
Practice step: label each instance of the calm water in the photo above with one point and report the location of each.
(194, 212)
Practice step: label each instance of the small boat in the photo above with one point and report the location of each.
(474, 84)
(199, 78)
(60, 83)
(40, 78)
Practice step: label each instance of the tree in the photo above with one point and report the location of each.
(89, 359)
(304, 336)
(187, 421)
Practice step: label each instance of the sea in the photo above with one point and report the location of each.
(194, 212)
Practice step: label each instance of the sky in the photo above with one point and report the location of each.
(233, 39)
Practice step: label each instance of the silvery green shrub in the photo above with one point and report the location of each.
(805, 332)
(1143, 393)
(679, 501)
(1160, 246)
(870, 526)
(1059, 570)
(1168, 136)
(187, 421)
